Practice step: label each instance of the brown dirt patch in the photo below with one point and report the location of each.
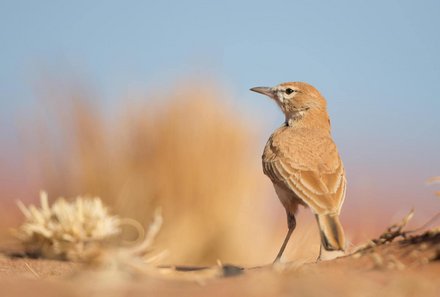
(408, 267)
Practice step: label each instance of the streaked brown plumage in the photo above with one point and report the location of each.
(303, 163)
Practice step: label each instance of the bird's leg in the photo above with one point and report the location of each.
(291, 223)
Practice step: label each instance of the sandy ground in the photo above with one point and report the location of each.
(405, 267)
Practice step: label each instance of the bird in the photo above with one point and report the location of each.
(302, 161)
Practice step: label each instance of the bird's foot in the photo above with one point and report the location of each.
(325, 255)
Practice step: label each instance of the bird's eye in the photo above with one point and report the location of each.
(289, 91)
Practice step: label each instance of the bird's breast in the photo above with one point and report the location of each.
(304, 149)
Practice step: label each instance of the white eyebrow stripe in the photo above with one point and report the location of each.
(283, 89)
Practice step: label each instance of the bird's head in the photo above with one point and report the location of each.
(296, 99)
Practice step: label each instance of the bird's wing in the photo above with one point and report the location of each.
(317, 176)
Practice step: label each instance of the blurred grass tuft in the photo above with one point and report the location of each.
(186, 152)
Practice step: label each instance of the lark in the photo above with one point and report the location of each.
(303, 163)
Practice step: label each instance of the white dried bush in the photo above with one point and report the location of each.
(65, 229)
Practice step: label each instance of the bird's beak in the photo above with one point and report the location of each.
(265, 91)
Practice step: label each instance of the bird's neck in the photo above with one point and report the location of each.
(312, 118)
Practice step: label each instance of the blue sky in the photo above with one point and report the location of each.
(377, 62)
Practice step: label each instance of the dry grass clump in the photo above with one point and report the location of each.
(64, 229)
(78, 231)
(392, 232)
(116, 263)
(185, 151)
(397, 230)
(414, 248)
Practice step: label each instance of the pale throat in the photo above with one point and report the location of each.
(307, 117)
(293, 117)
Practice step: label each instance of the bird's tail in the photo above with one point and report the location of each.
(332, 234)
